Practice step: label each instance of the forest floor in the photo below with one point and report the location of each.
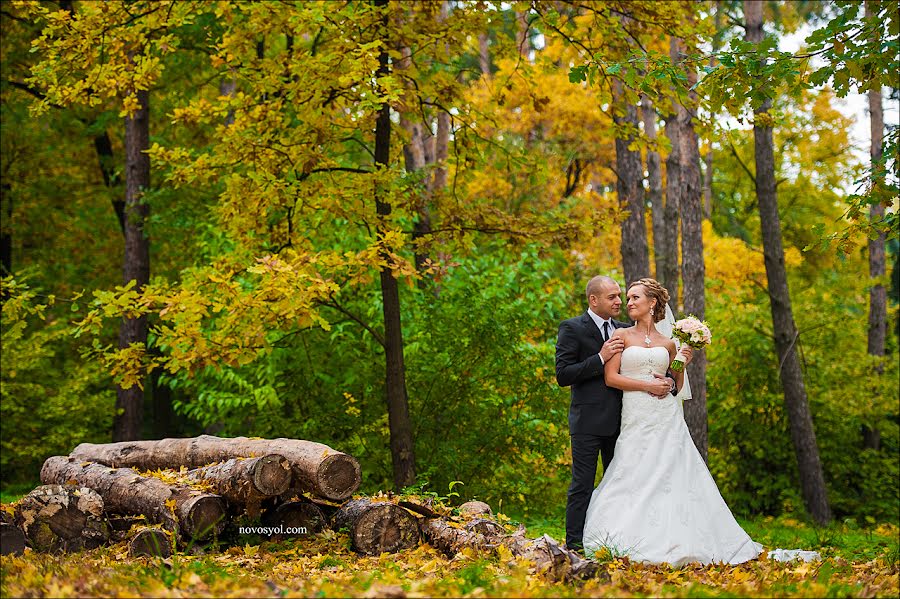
(857, 562)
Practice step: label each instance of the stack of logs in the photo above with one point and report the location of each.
(96, 495)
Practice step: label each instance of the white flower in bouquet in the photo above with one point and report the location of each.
(694, 332)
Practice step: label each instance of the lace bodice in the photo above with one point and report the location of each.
(638, 407)
(641, 362)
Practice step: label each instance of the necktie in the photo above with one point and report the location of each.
(606, 331)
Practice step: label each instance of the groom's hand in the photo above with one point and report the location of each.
(611, 348)
(662, 392)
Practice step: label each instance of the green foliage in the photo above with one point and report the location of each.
(749, 431)
(51, 399)
(479, 355)
(265, 308)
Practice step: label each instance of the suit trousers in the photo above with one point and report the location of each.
(585, 449)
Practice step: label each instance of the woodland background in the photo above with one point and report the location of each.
(360, 223)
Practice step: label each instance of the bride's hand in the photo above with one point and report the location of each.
(688, 352)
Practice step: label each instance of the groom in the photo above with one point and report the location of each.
(584, 344)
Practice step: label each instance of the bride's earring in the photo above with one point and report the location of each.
(652, 312)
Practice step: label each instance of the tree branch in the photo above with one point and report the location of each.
(335, 305)
(741, 162)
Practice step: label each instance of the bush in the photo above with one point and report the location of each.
(52, 399)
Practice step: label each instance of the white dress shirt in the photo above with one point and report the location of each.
(599, 321)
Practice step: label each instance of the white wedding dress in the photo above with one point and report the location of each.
(658, 502)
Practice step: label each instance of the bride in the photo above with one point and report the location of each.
(658, 502)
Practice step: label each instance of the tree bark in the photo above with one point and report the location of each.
(877, 256)
(377, 526)
(629, 188)
(111, 179)
(484, 54)
(58, 518)
(414, 154)
(194, 514)
(523, 41)
(402, 451)
(247, 481)
(544, 553)
(675, 125)
(128, 420)
(812, 480)
(693, 273)
(655, 195)
(316, 468)
(475, 508)
(708, 159)
(6, 233)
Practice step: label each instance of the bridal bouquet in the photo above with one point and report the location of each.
(692, 331)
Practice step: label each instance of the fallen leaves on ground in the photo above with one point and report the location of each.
(324, 566)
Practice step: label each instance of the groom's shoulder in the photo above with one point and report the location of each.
(575, 321)
(621, 325)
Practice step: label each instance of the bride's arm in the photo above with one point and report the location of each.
(678, 376)
(616, 380)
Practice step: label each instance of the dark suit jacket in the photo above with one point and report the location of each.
(595, 409)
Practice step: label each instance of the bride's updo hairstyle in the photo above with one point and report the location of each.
(656, 291)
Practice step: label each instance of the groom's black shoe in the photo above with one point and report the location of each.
(577, 548)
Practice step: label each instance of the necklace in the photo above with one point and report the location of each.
(647, 338)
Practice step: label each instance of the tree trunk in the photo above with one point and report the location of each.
(316, 468)
(130, 402)
(708, 159)
(111, 179)
(291, 516)
(194, 514)
(693, 271)
(523, 41)
(247, 481)
(414, 154)
(877, 257)
(377, 526)
(803, 435)
(675, 126)
(6, 234)
(402, 452)
(58, 518)
(227, 88)
(629, 175)
(655, 195)
(484, 54)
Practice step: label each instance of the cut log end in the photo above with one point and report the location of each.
(272, 475)
(203, 516)
(12, 540)
(385, 528)
(338, 476)
(150, 541)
